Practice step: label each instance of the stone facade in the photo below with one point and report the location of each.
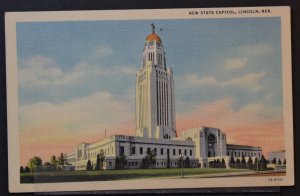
(135, 149)
(155, 108)
(278, 155)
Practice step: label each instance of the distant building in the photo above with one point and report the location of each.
(155, 126)
(278, 155)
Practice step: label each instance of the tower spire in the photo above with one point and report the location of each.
(153, 28)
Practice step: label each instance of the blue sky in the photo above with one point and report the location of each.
(200, 47)
(78, 78)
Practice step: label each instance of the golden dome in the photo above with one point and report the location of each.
(153, 37)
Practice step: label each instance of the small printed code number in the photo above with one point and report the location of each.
(275, 179)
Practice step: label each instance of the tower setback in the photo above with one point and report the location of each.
(155, 108)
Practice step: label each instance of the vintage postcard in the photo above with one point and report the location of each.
(149, 99)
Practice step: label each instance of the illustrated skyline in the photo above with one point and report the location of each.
(77, 79)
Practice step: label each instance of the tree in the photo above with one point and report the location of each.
(27, 169)
(34, 162)
(263, 163)
(97, 167)
(219, 163)
(232, 162)
(243, 163)
(238, 163)
(250, 163)
(279, 161)
(53, 161)
(149, 160)
(284, 162)
(120, 161)
(168, 161)
(48, 167)
(101, 159)
(62, 161)
(274, 160)
(89, 166)
(22, 169)
(187, 162)
(223, 164)
(255, 164)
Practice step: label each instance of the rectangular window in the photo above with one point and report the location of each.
(148, 150)
(109, 163)
(168, 151)
(133, 150)
(121, 150)
(179, 152)
(141, 150)
(161, 151)
(191, 152)
(155, 151)
(174, 152)
(184, 152)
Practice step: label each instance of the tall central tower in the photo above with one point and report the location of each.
(155, 109)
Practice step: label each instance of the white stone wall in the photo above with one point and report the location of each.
(199, 137)
(155, 108)
(186, 148)
(278, 155)
(246, 151)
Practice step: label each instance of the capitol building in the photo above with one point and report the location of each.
(156, 126)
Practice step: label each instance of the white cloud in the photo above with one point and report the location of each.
(90, 114)
(40, 71)
(235, 63)
(102, 51)
(249, 81)
(259, 49)
(206, 80)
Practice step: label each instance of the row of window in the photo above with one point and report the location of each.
(162, 151)
(159, 59)
(81, 166)
(239, 154)
(105, 151)
(151, 56)
(162, 106)
(160, 163)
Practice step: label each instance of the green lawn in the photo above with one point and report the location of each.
(79, 176)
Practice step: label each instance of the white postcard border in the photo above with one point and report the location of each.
(163, 183)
